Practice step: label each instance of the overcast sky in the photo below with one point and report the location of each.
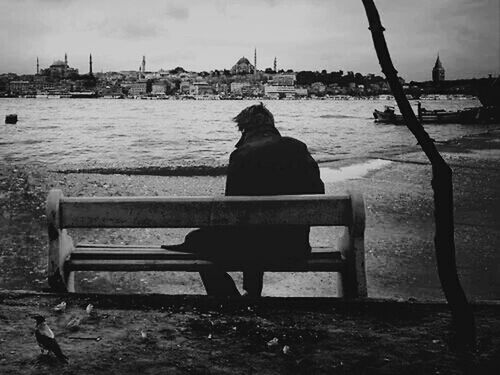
(214, 34)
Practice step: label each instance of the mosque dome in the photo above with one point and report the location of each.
(242, 66)
(243, 60)
(58, 63)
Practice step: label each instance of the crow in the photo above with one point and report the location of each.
(45, 338)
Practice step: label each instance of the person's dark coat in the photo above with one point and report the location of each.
(264, 163)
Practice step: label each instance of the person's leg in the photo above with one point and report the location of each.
(253, 283)
(210, 243)
(219, 284)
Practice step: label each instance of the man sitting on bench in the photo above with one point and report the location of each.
(264, 163)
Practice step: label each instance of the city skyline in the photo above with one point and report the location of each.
(214, 34)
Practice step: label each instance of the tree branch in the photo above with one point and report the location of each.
(442, 186)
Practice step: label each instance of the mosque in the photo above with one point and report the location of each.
(243, 65)
(59, 69)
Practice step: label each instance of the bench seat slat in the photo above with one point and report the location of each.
(131, 252)
(312, 265)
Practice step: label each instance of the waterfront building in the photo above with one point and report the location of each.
(236, 87)
(60, 69)
(317, 88)
(276, 91)
(300, 91)
(163, 73)
(152, 75)
(243, 66)
(184, 87)
(158, 88)
(20, 87)
(438, 71)
(200, 88)
(222, 88)
(252, 90)
(284, 79)
(137, 88)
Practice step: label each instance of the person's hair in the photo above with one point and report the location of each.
(256, 115)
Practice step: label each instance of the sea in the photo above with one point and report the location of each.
(192, 137)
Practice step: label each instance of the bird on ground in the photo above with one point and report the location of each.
(46, 339)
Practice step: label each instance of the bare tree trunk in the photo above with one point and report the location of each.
(442, 186)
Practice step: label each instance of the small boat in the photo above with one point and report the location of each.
(388, 116)
(11, 118)
(437, 116)
(83, 95)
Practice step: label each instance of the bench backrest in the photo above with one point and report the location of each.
(187, 212)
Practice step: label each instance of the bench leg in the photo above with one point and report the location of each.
(60, 247)
(352, 281)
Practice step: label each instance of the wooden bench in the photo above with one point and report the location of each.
(189, 212)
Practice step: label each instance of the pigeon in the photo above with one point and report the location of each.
(61, 307)
(46, 340)
(89, 309)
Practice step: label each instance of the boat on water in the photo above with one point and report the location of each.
(82, 95)
(11, 118)
(425, 116)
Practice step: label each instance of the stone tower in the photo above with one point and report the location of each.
(437, 71)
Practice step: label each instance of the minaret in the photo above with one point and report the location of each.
(255, 60)
(90, 64)
(66, 59)
(143, 64)
(437, 71)
(37, 66)
(275, 65)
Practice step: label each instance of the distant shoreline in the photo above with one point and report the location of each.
(189, 97)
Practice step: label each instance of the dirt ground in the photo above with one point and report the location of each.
(178, 334)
